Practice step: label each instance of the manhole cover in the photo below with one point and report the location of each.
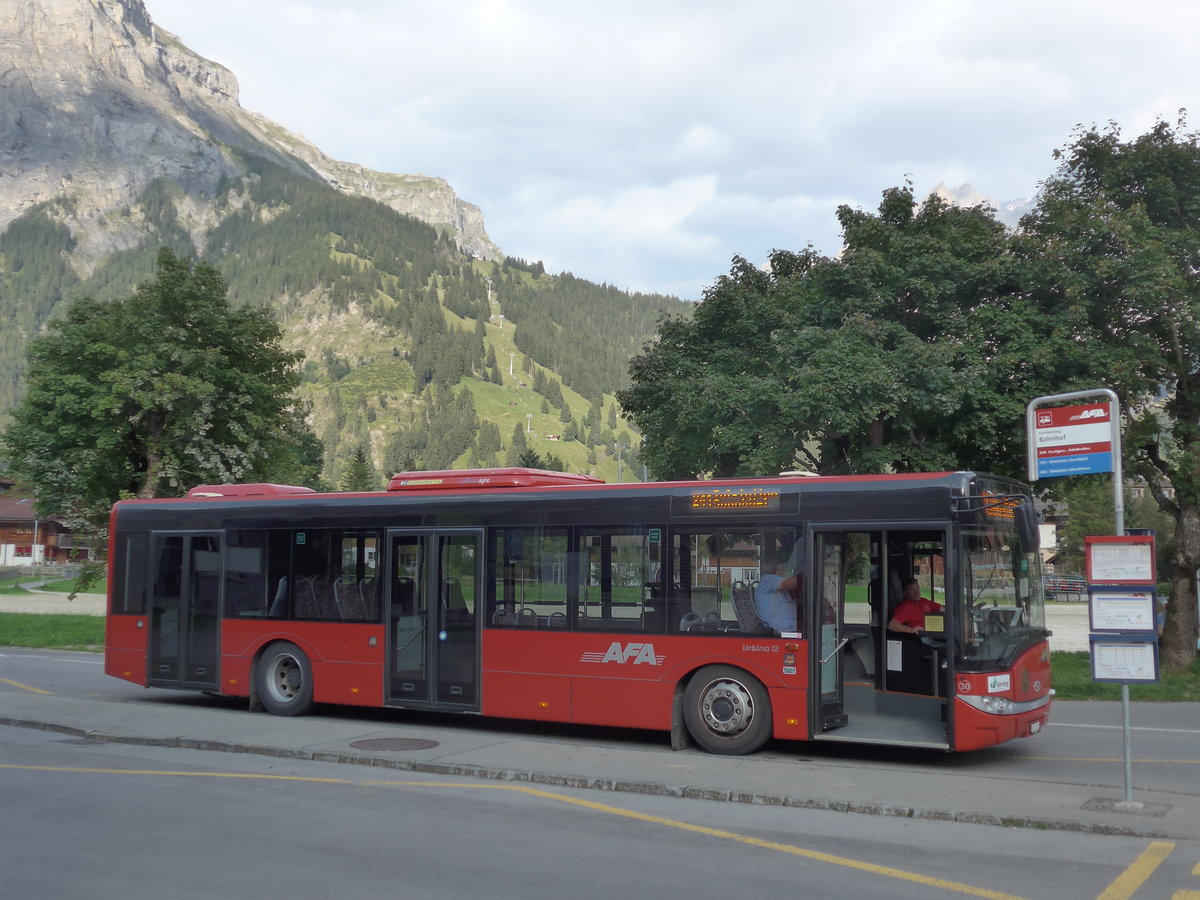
(378, 744)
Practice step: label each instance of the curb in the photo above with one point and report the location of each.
(596, 784)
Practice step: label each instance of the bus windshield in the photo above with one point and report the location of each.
(1003, 609)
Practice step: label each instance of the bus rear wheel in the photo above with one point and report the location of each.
(283, 680)
(727, 711)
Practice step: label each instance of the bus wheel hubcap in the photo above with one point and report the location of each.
(286, 680)
(727, 707)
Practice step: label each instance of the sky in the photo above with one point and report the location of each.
(645, 144)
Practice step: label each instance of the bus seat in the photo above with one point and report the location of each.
(327, 607)
(743, 608)
(862, 646)
(351, 603)
(341, 594)
(853, 668)
(368, 596)
(527, 618)
(279, 602)
(307, 606)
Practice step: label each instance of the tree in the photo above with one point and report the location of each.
(921, 345)
(517, 446)
(1114, 247)
(155, 393)
(530, 459)
(360, 474)
(1089, 508)
(856, 364)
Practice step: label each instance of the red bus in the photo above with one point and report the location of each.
(549, 596)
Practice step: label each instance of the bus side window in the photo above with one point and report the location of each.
(246, 589)
(133, 599)
(617, 573)
(530, 583)
(256, 574)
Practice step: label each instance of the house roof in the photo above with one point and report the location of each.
(17, 509)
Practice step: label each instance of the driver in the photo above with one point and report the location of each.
(909, 614)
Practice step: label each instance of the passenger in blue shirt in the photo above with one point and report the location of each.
(773, 599)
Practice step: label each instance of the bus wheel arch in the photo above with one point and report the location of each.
(283, 680)
(726, 710)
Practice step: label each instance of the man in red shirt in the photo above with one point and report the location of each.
(909, 615)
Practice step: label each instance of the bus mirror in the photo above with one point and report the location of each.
(1027, 526)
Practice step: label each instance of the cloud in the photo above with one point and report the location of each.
(646, 144)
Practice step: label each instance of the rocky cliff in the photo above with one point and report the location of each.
(96, 102)
(116, 140)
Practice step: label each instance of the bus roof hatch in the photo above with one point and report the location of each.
(461, 479)
(247, 490)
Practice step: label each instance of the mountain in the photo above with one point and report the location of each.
(98, 102)
(1008, 212)
(424, 343)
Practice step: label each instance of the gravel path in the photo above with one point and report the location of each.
(51, 602)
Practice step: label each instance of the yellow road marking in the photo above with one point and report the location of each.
(818, 856)
(89, 771)
(1122, 888)
(1188, 895)
(25, 687)
(1135, 876)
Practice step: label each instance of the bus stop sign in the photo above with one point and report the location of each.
(1072, 440)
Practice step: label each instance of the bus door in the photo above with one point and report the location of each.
(828, 629)
(875, 686)
(433, 630)
(184, 609)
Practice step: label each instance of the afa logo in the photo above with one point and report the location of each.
(635, 653)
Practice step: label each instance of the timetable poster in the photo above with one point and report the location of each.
(1124, 660)
(1122, 610)
(1120, 560)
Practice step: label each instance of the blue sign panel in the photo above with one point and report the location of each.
(1077, 464)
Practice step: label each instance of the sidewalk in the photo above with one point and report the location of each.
(493, 749)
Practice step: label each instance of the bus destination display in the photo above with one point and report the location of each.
(726, 500)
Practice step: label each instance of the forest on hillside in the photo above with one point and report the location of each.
(399, 331)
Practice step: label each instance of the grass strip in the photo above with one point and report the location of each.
(52, 631)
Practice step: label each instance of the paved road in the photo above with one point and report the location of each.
(222, 824)
(1070, 777)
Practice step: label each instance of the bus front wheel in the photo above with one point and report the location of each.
(283, 680)
(727, 711)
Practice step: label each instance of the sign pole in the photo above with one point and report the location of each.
(1118, 508)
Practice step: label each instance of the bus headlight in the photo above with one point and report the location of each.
(1002, 706)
